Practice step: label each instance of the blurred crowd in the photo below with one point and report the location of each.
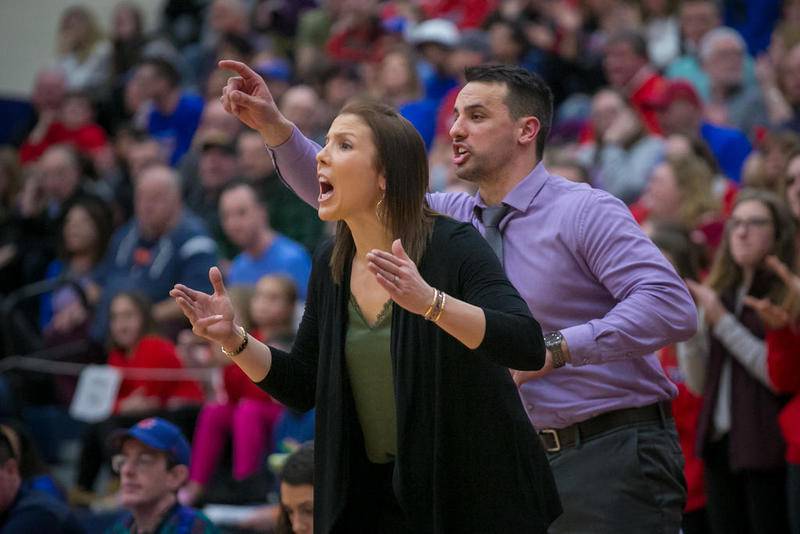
(121, 174)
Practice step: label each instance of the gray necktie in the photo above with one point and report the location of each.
(491, 218)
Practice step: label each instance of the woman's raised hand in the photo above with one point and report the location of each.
(247, 97)
(789, 278)
(399, 276)
(211, 315)
(708, 300)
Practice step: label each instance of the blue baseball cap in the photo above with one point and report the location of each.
(159, 434)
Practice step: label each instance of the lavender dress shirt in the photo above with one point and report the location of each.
(584, 267)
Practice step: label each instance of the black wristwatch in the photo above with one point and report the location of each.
(552, 342)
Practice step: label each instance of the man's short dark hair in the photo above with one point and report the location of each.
(528, 95)
(164, 69)
(632, 38)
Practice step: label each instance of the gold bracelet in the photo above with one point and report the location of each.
(437, 307)
(441, 308)
(428, 312)
(434, 306)
(240, 348)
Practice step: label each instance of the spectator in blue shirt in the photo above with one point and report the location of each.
(264, 251)
(176, 113)
(163, 244)
(23, 509)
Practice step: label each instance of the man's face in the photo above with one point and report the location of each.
(150, 85)
(215, 118)
(300, 105)
(724, 64)
(48, 91)
(255, 162)
(680, 117)
(60, 175)
(697, 19)
(217, 167)
(483, 131)
(156, 202)
(790, 75)
(606, 107)
(144, 475)
(241, 215)
(621, 64)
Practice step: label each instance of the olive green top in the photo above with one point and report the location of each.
(369, 366)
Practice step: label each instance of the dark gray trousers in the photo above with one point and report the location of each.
(628, 480)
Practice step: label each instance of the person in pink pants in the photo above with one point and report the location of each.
(242, 410)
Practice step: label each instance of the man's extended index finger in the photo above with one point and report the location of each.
(243, 70)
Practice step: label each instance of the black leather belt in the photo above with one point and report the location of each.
(556, 439)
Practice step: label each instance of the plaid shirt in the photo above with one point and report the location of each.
(178, 520)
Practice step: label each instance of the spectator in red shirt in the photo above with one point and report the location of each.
(135, 347)
(75, 125)
(357, 35)
(783, 365)
(465, 13)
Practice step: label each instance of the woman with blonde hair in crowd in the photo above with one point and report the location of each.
(681, 191)
(738, 433)
(83, 53)
(765, 167)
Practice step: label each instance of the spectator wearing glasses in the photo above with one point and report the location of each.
(738, 433)
(152, 460)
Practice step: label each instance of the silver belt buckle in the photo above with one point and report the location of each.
(557, 441)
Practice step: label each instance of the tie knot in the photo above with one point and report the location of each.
(492, 215)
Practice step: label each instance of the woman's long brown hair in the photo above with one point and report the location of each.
(726, 274)
(400, 157)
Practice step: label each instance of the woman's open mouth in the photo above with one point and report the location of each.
(325, 189)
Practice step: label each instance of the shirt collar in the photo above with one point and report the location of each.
(521, 197)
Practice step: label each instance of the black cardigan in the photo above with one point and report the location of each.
(468, 459)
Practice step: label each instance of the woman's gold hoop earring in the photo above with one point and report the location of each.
(379, 207)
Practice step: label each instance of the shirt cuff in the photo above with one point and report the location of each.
(286, 143)
(583, 349)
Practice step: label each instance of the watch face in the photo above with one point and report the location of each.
(553, 338)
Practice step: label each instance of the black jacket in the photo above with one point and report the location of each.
(468, 459)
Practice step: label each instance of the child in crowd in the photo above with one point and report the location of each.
(242, 410)
(75, 125)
